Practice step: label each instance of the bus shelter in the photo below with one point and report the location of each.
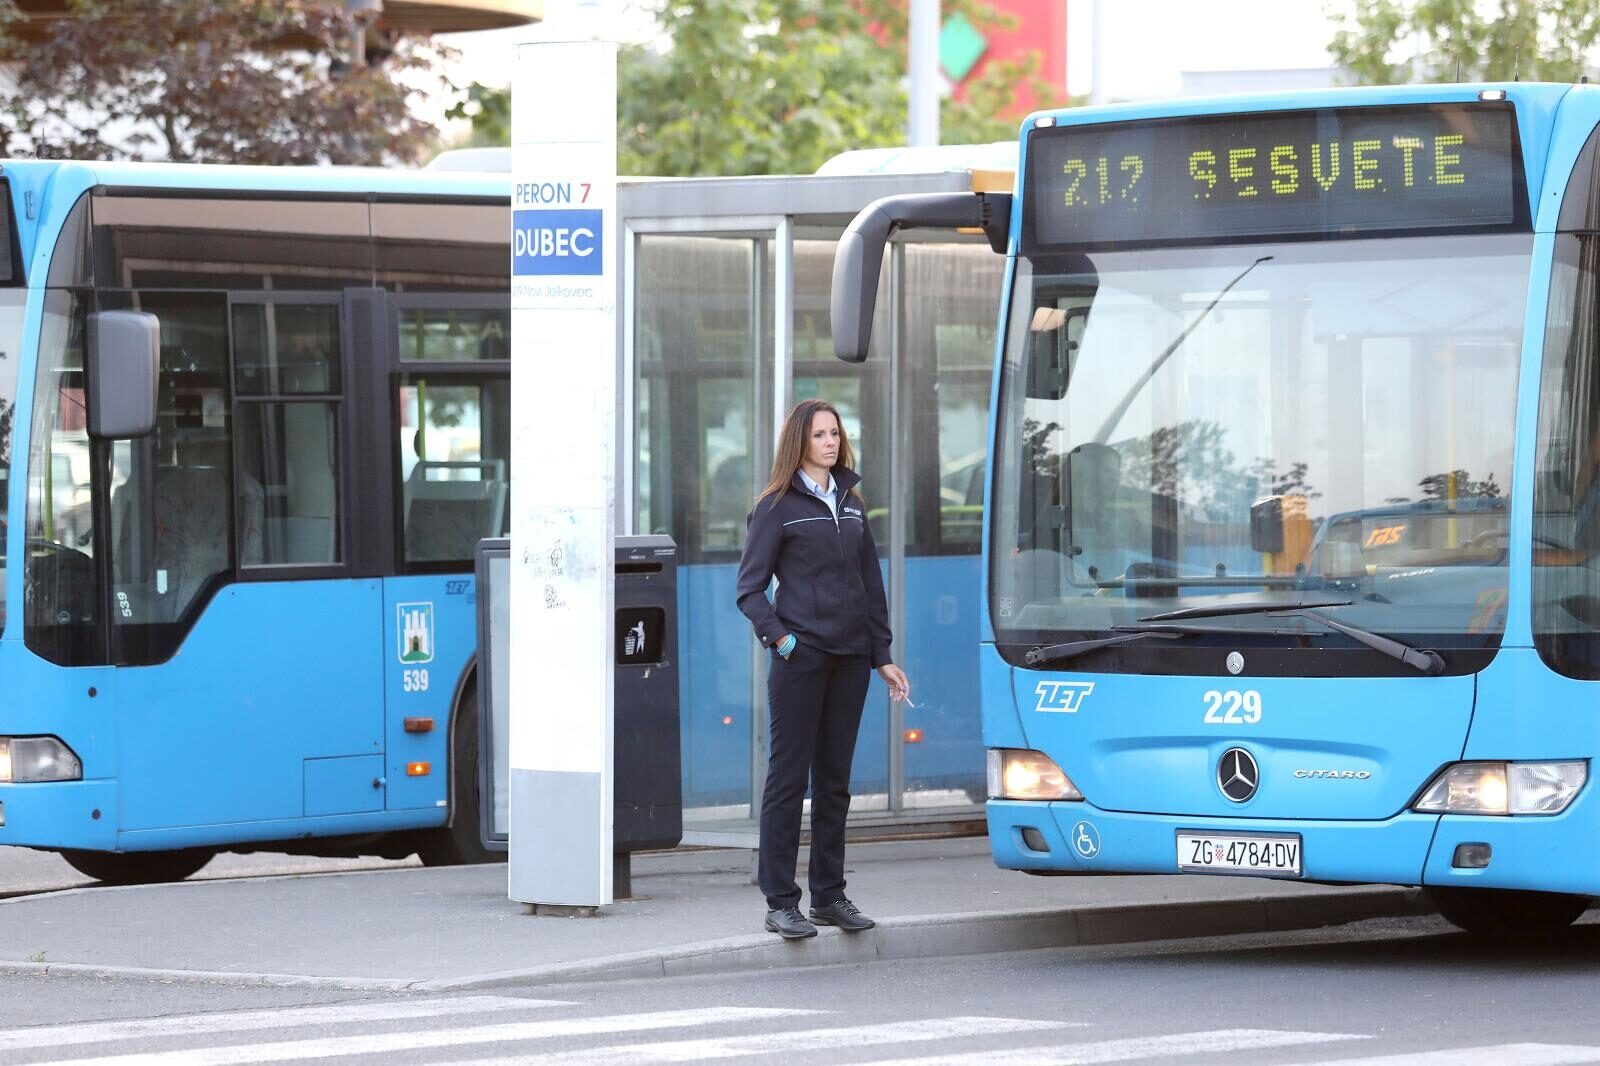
(723, 325)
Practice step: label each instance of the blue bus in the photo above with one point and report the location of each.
(1291, 563)
(244, 617)
(253, 423)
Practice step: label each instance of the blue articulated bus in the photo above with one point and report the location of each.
(253, 423)
(1292, 561)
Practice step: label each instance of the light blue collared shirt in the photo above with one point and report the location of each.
(829, 495)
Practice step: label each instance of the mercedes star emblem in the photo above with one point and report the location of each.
(1237, 774)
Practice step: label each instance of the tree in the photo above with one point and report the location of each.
(778, 86)
(208, 81)
(1530, 40)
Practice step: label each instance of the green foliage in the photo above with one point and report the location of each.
(489, 110)
(1530, 40)
(212, 81)
(779, 86)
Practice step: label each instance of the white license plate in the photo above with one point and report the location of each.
(1240, 853)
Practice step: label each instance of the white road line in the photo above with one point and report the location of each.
(382, 1043)
(805, 1040)
(1211, 1042)
(1497, 1055)
(222, 1022)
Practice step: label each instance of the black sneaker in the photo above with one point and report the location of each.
(790, 924)
(844, 914)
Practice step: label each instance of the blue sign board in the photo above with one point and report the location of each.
(567, 242)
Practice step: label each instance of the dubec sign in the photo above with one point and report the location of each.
(552, 233)
(558, 237)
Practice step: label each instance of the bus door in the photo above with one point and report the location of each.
(449, 397)
(244, 630)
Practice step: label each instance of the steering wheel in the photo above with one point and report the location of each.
(58, 583)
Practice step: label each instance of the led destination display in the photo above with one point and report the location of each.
(1332, 172)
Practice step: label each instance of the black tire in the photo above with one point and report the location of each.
(138, 867)
(1507, 912)
(460, 843)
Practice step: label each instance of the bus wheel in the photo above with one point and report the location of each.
(138, 867)
(1507, 912)
(459, 843)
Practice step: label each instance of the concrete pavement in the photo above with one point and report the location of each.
(692, 912)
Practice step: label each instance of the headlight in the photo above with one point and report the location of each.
(37, 759)
(1028, 775)
(1503, 788)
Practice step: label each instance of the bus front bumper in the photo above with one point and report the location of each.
(1078, 837)
(59, 814)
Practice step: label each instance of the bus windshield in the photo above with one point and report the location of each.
(1199, 426)
(12, 302)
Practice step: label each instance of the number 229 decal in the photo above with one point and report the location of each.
(1233, 707)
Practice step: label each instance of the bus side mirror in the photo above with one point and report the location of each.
(859, 257)
(121, 363)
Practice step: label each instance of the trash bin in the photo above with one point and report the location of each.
(646, 762)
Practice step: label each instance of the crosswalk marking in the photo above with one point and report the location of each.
(223, 1022)
(1212, 1042)
(771, 1043)
(1496, 1055)
(381, 1043)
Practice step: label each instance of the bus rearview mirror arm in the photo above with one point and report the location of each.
(121, 360)
(859, 257)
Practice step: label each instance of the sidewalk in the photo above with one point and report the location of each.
(693, 912)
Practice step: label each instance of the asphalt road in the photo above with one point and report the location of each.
(1402, 992)
(26, 870)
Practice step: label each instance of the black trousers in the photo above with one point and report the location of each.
(815, 702)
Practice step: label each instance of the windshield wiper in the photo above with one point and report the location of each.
(1429, 662)
(1222, 610)
(1055, 653)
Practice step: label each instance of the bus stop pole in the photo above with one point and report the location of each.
(563, 515)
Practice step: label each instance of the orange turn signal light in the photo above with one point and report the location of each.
(419, 725)
(727, 719)
(913, 736)
(418, 769)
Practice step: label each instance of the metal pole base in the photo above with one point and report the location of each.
(556, 910)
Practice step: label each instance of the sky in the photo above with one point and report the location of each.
(1195, 36)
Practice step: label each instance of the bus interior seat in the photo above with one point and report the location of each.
(446, 515)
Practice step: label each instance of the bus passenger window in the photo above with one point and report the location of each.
(454, 467)
(288, 500)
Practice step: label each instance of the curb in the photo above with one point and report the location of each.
(917, 937)
(981, 933)
(209, 977)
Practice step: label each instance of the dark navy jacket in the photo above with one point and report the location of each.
(830, 590)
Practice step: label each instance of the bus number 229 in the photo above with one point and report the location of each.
(1233, 707)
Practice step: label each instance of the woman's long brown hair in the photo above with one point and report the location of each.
(792, 445)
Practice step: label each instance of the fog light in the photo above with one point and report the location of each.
(1028, 775)
(1471, 856)
(1034, 839)
(1503, 788)
(30, 759)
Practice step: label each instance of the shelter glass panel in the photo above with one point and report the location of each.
(703, 331)
(947, 346)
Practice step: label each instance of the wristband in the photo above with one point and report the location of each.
(786, 645)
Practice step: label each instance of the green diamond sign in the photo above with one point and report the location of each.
(960, 47)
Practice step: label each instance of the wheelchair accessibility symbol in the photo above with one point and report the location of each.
(1086, 840)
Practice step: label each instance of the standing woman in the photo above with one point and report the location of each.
(827, 630)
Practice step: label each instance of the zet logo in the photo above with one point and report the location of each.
(416, 633)
(1063, 696)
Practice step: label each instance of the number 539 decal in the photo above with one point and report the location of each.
(1233, 707)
